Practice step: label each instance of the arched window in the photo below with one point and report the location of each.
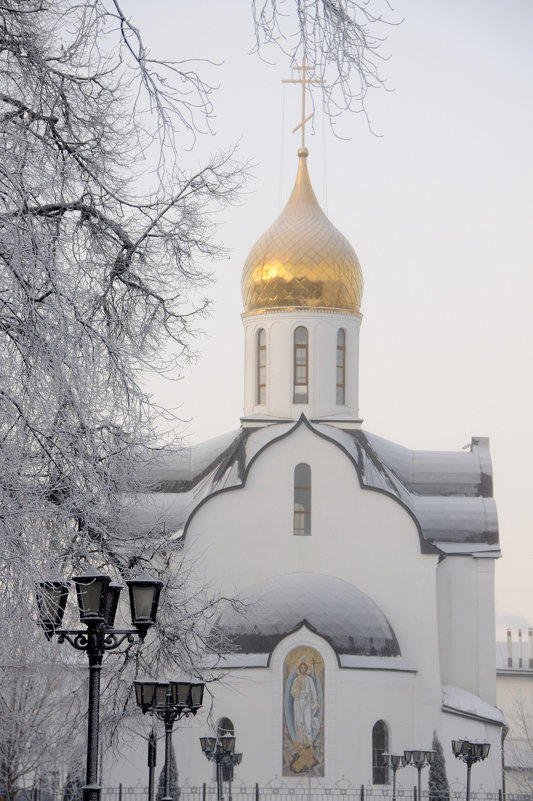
(302, 500)
(301, 365)
(225, 726)
(260, 392)
(341, 366)
(380, 746)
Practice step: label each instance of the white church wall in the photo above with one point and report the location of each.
(465, 587)
(322, 329)
(354, 701)
(361, 536)
(486, 775)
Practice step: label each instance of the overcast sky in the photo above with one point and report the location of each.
(439, 210)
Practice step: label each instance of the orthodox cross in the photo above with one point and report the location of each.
(304, 80)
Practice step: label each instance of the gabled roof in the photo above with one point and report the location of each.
(448, 494)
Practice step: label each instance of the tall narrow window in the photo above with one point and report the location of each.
(225, 726)
(301, 365)
(261, 367)
(380, 746)
(302, 500)
(341, 366)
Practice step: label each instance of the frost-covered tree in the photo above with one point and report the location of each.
(101, 257)
(100, 264)
(42, 704)
(174, 786)
(341, 38)
(438, 787)
(105, 231)
(72, 790)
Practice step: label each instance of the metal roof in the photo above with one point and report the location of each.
(448, 494)
(336, 610)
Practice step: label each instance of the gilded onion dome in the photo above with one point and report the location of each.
(302, 260)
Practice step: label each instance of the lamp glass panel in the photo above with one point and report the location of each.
(143, 598)
(90, 595)
(111, 603)
(485, 750)
(144, 691)
(92, 592)
(476, 750)
(161, 691)
(430, 756)
(181, 693)
(139, 693)
(51, 601)
(197, 694)
(228, 743)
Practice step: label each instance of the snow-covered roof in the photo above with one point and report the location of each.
(336, 610)
(449, 494)
(459, 701)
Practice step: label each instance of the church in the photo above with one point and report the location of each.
(365, 570)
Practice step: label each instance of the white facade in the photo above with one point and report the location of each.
(323, 327)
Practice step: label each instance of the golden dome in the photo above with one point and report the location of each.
(302, 260)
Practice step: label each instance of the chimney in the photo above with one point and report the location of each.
(520, 648)
(509, 649)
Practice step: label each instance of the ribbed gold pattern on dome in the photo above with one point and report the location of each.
(302, 260)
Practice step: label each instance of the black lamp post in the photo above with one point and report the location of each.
(168, 701)
(394, 761)
(221, 751)
(152, 759)
(470, 752)
(420, 759)
(97, 602)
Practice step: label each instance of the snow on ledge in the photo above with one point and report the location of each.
(360, 662)
(241, 660)
(455, 699)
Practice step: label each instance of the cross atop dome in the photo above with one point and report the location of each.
(304, 80)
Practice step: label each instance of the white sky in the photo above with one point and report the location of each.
(439, 211)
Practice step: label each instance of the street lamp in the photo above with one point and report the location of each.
(221, 751)
(470, 752)
(394, 761)
(420, 759)
(168, 701)
(97, 601)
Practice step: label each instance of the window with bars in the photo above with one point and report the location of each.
(380, 746)
(301, 365)
(302, 500)
(260, 393)
(341, 366)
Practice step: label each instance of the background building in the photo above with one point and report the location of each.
(514, 692)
